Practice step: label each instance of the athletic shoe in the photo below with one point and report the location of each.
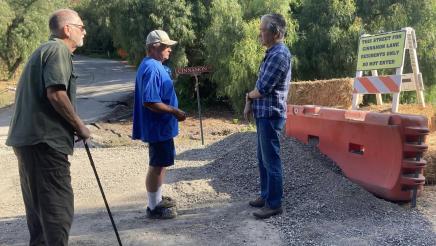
(161, 213)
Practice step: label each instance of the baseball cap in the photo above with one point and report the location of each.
(159, 36)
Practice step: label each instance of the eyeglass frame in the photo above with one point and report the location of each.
(81, 27)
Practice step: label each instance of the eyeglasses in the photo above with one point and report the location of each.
(81, 27)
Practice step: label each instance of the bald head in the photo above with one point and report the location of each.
(60, 18)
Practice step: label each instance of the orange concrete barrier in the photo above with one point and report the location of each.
(381, 152)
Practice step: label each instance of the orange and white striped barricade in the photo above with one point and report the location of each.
(380, 152)
(377, 84)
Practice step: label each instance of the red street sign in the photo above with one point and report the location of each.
(194, 70)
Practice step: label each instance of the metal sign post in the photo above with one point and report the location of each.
(197, 88)
(196, 71)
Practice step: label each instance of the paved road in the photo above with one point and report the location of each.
(102, 84)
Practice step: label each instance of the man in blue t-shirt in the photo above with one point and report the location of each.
(155, 120)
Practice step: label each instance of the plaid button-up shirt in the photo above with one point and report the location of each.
(273, 83)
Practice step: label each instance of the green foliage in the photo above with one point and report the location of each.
(232, 44)
(430, 95)
(322, 36)
(244, 64)
(23, 27)
(132, 20)
(396, 14)
(95, 16)
(221, 37)
(5, 21)
(329, 32)
(196, 54)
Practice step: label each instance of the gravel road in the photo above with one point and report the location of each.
(212, 185)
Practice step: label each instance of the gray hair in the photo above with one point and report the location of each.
(61, 18)
(153, 45)
(275, 23)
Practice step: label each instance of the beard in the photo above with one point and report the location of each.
(77, 41)
(80, 43)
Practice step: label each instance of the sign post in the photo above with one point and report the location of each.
(384, 51)
(196, 71)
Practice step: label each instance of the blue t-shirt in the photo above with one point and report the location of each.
(153, 84)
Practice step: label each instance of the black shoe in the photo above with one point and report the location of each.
(258, 203)
(161, 213)
(267, 212)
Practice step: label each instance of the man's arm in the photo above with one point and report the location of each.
(61, 103)
(159, 107)
(254, 94)
(275, 70)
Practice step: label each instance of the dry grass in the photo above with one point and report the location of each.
(430, 157)
(330, 93)
(428, 111)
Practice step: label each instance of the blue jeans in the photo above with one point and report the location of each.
(270, 165)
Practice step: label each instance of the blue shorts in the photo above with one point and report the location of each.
(161, 154)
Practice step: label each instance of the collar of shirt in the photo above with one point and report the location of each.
(54, 38)
(274, 47)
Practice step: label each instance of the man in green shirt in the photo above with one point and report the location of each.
(42, 131)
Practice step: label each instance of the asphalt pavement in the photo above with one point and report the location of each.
(102, 85)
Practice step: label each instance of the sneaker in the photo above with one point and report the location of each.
(258, 203)
(267, 212)
(167, 202)
(161, 213)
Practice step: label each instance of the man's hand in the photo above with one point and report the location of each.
(83, 132)
(179, 114)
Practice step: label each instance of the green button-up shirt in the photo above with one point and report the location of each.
(35, 120)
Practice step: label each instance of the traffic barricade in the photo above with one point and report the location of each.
(381, 152)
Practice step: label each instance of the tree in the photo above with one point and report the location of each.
(232, 44)
(132, 20)
(23, 27)
(5, 21)
(329, 33)
(393, 15)
(221, 37)
(95, 15)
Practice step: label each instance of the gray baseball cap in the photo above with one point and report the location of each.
(159, 36)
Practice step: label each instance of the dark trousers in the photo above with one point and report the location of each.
(47, 193)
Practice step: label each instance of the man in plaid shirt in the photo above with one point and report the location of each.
(267, 102)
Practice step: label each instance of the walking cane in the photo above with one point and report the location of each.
(102, 192)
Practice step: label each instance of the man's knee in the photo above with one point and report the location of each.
(157, 171)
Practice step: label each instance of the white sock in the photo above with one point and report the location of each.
(154, 198)
(159, 194)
